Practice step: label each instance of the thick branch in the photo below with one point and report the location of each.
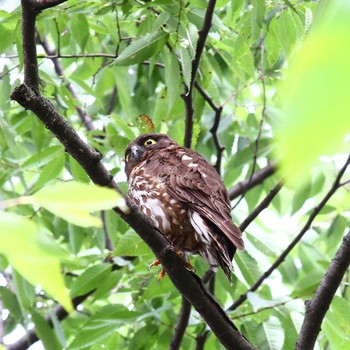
(296, 240)
(29, 13)
(317, 308)
(88, 158)
(188, 95)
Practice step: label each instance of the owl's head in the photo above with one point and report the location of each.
(140, 148)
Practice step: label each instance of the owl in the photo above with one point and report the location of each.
(184, 197)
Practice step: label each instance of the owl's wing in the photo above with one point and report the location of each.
(194, 181)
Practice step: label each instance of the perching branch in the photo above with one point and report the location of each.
(188, 94)
(317, 307)
(189, 285)
(296, 240)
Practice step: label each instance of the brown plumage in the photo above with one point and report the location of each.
(185, 198)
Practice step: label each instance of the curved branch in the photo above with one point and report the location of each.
(189, 285)
(296, 240)
(317, 307)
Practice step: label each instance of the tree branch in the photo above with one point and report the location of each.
(181, 325)
(188, 94)
(296, 240)
(317, 307)
(263, 205)
(29, 13)
(189, 285)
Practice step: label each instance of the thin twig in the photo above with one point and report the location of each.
(296, 240)
(181, 325)
(188, 94)
(263, 205)
(214, 132)
(259, 177)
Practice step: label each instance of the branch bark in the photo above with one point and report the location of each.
(317, 307)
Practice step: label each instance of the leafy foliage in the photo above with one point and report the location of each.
(125, 66)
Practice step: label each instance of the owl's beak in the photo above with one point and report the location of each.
(135, 153)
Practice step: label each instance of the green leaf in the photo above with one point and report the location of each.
(336, 326)
(10, 302)
(270, 335)
(248, 267)
(24, 290)
(131, 244)
(257, 18)
(20, 242)
(143, 48)
(315, 96)
(186, 65)
(73, 201)
(172, 78)
(287, 31)
(144, 337)
(44, 157)
(80, 30)
(50, 171)
(90, 279)
(101, 325)
(44, 331)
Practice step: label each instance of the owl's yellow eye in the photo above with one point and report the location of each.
(149, 142)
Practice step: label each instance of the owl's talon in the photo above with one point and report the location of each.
(189, 266)
(161, 275)
(154, 263)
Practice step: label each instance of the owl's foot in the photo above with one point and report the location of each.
(162, 274)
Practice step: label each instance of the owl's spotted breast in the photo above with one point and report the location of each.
(169, 215)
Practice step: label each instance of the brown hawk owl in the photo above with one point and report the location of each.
(185, 198)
